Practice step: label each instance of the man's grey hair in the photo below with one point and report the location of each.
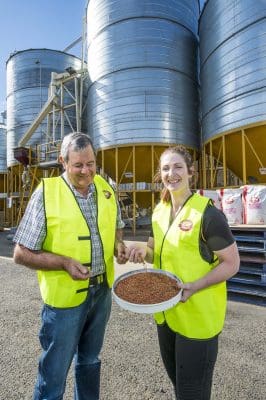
(77, 141)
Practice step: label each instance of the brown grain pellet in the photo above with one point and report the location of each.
(147, 288)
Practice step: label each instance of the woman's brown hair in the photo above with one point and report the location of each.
(185, 154)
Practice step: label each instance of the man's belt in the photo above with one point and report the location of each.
(94, 281)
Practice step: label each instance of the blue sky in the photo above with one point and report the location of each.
(52, 24)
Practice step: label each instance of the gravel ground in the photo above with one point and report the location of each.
(131, 365)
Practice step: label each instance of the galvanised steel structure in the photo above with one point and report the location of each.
(3, 165)
(3, 174)
(45, 101)
(233, 89)
(142, 62)
(143, 91)
(143, 97)
(28, 79)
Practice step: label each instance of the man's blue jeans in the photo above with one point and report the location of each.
(73, 332)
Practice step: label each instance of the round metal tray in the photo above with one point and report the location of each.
(146, 308)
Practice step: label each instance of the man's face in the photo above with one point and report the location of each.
(80, 168)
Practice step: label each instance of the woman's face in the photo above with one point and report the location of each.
(174, 172)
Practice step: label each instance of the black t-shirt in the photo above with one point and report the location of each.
(216, 234)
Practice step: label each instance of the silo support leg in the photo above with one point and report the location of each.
(244, 165)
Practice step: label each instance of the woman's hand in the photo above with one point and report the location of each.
(188, 290)
(228, 266)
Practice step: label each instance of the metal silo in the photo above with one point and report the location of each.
(142, 61)
(3, 173)
(233, 81)
(3, 165)
(28, 79)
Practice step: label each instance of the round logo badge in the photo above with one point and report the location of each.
(107, 194)
(186, 225)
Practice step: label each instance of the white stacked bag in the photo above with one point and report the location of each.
(231, 200)
(254, 202)
(244, 205)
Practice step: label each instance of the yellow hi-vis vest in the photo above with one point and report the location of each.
(69, 235)
(177, 251)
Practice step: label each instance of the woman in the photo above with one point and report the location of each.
(191, 239)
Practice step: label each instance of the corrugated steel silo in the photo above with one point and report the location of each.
(3, 165)
(28, 78)
(142, 61)
(3, 173)
(233, 76)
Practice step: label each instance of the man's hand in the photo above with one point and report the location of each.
(45, 261)
(76, 270)
(121, 252)
(136, 254)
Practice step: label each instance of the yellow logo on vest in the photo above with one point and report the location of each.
(186, 225)
(107, 194)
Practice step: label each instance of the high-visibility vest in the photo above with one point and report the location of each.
(68, 234)
(177, 250)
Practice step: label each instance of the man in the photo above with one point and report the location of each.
(70, 232)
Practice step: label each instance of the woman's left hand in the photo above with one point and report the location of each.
(228, 266)
(188, 290)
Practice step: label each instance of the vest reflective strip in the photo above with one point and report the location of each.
(177, 250)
